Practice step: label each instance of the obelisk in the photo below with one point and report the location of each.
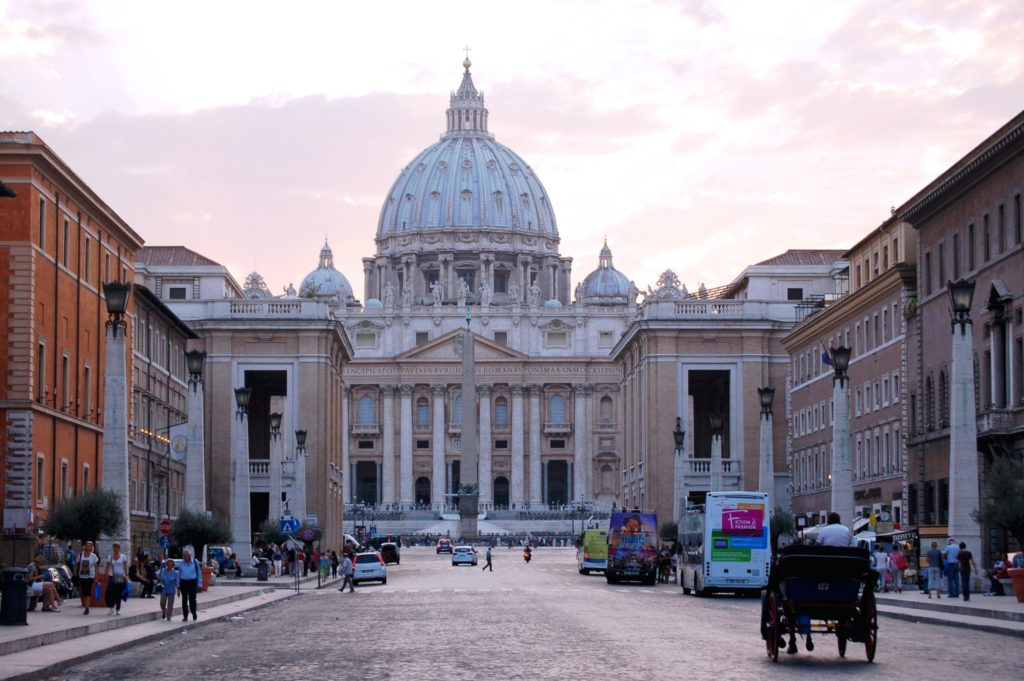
(469, 493)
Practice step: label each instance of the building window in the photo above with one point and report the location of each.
(366, 339)
(1017, 227)
(88, 259)
(422, 413)
(367, 411)
(422, 444)
(500, 281)
(501, 412)
(927, 274)
(501, 444)
(457, 409)
(1001, 218)
(557, 339)
(557, 444)
(106, 267)
(556, 409)
(794, 294)
(365, 444)
(63, 491)
(605, 339)
(942, 264)
(41, 372)
(40, 481)
(501, 337)
(86, 392)
(42, 224)
(986, 240)
(66, 251)
(422, 338)
(605, 411)
(970, 247)
(176, 293)
(85, 477)
(65, 382)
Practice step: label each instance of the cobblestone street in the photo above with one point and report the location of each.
(542, 620)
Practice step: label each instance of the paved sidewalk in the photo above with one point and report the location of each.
(994, 614)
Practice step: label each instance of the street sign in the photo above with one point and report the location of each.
(289, 525)
(308, 534)
(165, 526)
(311, 520)
(164, 541)
(373, 529)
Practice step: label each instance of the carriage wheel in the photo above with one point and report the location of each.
(774, 631)
(870, 614)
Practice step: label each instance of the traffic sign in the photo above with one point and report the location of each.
(289, 525)
(310, 519)
(165, 526)
(308, 534)
(164, 541)
(373, 529)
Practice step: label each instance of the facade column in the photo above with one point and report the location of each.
(405, 496)
(964, 473)
(116, 459)
(716, 462)
(516, 491)
(387, 427)
(486, 484)
(297, 503)
(580, 436)
(346, 440)
(195, 457)
(766, 469)
(241, 522)
(536, 484)
(842, 469)
(437, 478)
(276, 469)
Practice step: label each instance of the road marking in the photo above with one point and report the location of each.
(504, 589)
(436, 591)
(460, 591)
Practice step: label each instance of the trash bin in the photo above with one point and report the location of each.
(14, 594)
(263, 570)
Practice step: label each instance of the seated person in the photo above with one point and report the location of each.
(137, 575)
(232, 565)
(40, 584)
(997, 572)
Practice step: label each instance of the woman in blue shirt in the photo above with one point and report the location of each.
(169, 581)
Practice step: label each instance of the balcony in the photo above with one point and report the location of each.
(558, 429)
(697, 473)
(607, 425)
(454, 428)
(365, 429)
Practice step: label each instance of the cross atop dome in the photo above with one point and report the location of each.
(604, 260)
(326, 257)
(466, 112)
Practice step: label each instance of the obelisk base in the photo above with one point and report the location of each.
(469, 509)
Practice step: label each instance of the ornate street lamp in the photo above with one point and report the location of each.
(716, 423)
(275, 425)
(840, 362)
(679, 434)
(195, 360)
(961, 293)
(242, 396)
(300, 441)
(766, 395)
(116, 295)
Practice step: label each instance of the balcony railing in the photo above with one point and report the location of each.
(607, 425)
(259, 468)
(557, 428)
(702, 466)
(366, 429)
(454, 428)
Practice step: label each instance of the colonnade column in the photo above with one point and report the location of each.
(516, 491)
(388, 445)
(535, 468)
(580, 435)
(346, 486)
(437, 478)
(486, 485)
(405, 496)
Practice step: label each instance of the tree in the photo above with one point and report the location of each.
(669, 531)
(192, 528)
(781, 523)
(85, 516)
(270, 531)
(1004, 506)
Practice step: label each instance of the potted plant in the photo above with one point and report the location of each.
(1004, 508)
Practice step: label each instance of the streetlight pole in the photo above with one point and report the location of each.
(842, 468)
(964, 471)
(678, 503)
(195, 444)
(115, 411)
(275, 465)
(299, 508)
(766, 470)
(241, 520)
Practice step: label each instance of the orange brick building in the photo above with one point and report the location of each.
(59, 242)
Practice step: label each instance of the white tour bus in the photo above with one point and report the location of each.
(725, 544)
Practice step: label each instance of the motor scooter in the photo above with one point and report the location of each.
(527, 555)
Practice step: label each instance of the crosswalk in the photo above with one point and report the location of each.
(598, 591)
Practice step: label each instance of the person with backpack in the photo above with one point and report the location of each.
(897, 564)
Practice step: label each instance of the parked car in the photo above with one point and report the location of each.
(464, 555)
(390, 552)
(444, 546)
(370, 567)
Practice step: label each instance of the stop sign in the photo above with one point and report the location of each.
(165, 526)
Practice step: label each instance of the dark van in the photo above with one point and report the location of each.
(389, 553)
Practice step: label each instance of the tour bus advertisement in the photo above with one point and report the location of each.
(735, 532)
(633, 542)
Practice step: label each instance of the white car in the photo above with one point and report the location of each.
(370, 567)
(464, 555)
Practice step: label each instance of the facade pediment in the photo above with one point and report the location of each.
(447, 348)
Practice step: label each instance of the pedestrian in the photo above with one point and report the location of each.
(334, 564)
(86, 574)
(998, 572)
(277, 561)
(254, 562)
(966, 560)
(487, 557)
(347, 570)
(952, 568)
(117, 579)
(897, 564)
(189, 574)
(835, 533)
(882, 567)
(935, 570)
(41, 586)
(324, 564)
(292, 557)
(170, 583)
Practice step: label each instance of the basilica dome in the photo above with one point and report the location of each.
(606, 285)
(325, 281)
(467, 180)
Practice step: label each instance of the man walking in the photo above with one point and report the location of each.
(347, 570)
(189, 575)
(487, 565)
(952, 553)
(966, 560)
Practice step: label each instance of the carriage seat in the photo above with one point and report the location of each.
(823, 573)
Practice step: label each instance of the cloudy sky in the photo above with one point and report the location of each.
(698, 136)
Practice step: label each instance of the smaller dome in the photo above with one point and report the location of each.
(325, 281)
(373, 303)
(553, 303)
(606, 285)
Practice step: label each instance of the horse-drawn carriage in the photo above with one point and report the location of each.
(820, 590)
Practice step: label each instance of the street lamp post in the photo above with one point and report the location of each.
(241, 521)
(115, 411)
(195, 456)
(716, 451)
(678, 437)
(964, 471)
(299, 508)
(766, 469)
(275, 465)
(842, 468)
